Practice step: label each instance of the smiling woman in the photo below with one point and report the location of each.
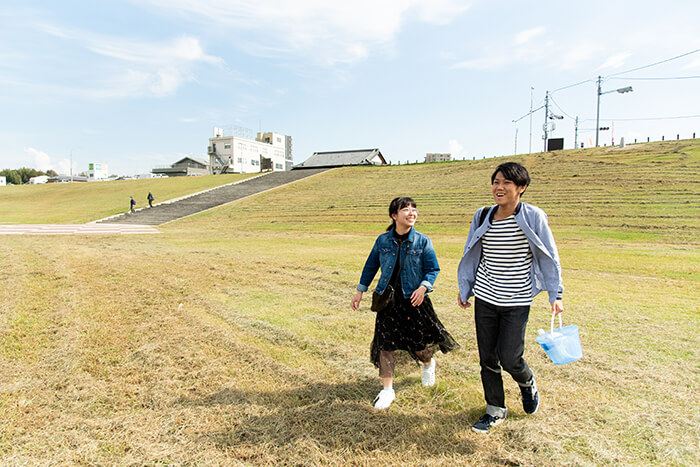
(407, 320)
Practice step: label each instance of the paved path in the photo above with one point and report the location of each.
(71, 229)
(171, 210)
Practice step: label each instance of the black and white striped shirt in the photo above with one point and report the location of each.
(503, 276)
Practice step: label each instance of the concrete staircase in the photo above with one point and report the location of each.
(176, 209)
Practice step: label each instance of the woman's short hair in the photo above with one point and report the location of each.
(514, 172)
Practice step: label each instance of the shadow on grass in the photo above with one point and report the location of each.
(337, 418)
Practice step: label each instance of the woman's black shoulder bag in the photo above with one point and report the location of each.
(386, 298)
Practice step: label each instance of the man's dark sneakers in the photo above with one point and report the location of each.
(486, 422)
(531, 397)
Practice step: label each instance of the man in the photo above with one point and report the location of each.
(510, 256)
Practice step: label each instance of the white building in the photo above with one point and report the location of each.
(39, 179)
(438, 157)
(97, 171)
(236, 151)
(3, 181)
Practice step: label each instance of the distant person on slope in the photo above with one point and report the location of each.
(150, 199)
(510, 256)
(132, 204)
(408, 322)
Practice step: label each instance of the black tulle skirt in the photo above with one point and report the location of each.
(410, 328)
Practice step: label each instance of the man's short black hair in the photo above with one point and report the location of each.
(514, 172)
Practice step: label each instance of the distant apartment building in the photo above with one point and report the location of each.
(97, 171)
(438, 157)
(236, 151)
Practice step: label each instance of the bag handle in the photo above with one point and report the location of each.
(552, 325)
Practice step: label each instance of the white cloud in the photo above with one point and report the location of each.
(573, 57)
(140, 68)
(527, 35)
(329, 33)
(455, 148)
(180, 50)
(692, 64)
(41, 160)
(615, 61)
(490, 63)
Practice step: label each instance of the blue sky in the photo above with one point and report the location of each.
(138, 84)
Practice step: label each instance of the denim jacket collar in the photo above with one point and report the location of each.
(411, 235)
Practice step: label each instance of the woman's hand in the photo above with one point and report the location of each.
(418, 295)
(355, 303)
(462, 304)
(557, 307)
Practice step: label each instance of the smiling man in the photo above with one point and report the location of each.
(510, 256)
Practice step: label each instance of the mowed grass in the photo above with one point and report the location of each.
(77, 203)
(228, 338)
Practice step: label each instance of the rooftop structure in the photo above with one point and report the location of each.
(343, 158)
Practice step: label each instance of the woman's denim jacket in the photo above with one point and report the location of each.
(545, 271)
(420, 265)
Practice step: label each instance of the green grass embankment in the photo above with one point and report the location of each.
(77, 203)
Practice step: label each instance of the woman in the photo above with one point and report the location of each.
(510, 256)
(408, 264)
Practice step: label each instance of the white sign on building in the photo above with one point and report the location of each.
(97, 171)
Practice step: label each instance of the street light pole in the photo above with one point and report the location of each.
(529, 149)
(597, 114)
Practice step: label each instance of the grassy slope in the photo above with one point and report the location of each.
(77, 203)
(264, 363)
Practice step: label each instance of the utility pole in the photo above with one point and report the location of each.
(529, 148)
(576, 133)
(515, 151)
(597, 113)
(546, 119)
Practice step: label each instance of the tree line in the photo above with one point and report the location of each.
(22, 175)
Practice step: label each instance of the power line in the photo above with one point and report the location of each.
(659, 79)
(573, 85)
(559, 107)
(656, 63)
(533, 111)
(652, 118)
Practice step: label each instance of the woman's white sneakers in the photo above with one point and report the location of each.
(384, 399)
(387, 395)
(428, 376)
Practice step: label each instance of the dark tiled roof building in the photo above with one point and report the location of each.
(343, 158)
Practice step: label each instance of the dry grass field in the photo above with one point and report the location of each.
(229, 340)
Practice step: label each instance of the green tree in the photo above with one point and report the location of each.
(11, 176)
